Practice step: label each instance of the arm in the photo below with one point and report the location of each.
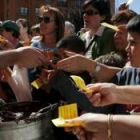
(8, 58)
(78, 63)
(21, 57)
(107, 93)
(126, 127)
(123, 127)
(128, 94)
(105, 73)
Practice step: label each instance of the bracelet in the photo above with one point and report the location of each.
(109, 127)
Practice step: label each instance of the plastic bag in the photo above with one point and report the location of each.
(21, 86)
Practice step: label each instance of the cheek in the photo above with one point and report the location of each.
(135, 52)
(96, 20)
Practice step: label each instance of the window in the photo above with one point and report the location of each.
(36, 11)
(62, 2)
(24, 10)
(48, 1)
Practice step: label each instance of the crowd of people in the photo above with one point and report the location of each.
(107, 59)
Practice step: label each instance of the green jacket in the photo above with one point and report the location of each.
(103, 44)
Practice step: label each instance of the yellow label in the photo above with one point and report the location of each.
(64, 113)
(110, 26)
(37, 83)
(68, 111)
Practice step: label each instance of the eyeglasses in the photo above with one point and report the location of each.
(90, 13)
(45, 19)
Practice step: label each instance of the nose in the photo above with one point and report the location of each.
(127, 49)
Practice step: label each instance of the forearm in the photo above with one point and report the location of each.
(128, 94)
(125, 127)
(8, 58)
(105, 73)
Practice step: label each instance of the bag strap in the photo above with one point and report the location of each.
(91, 42)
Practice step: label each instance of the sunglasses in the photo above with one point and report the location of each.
(90, 13)
(45, 19)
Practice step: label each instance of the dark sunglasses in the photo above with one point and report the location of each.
(45, 19)
(90, 13)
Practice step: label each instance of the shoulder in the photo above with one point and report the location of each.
(130, 70)
(109, 32)
(129, 76)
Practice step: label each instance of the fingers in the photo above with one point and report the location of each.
(96, 99)
(75, 122)
(69, 53)
(64, 65)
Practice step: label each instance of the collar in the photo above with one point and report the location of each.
(98, 33)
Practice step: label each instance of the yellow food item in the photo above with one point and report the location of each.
(80, 83)
(1, 39)
(110, 26)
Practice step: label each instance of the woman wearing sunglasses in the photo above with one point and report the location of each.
(99, 40)
(52, 30)
(51, 27)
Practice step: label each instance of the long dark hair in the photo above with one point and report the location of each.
(58, 17)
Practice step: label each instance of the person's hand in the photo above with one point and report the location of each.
(30, 57)
(46, 75)
(6, 45)
(80, 133)
(103, 94)
(74, 63)
(93, 126)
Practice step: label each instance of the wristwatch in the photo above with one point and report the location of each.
(96, 70)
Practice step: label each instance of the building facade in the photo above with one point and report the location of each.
(14, 9)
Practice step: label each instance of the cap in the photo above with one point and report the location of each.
(11, 25)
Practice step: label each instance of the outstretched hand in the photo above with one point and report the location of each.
(30, 57)
(103, 94)
(93, 127)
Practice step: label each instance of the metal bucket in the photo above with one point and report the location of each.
(36, 127)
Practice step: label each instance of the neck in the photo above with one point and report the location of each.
(25, 38)
(50, 40)
(94, 30)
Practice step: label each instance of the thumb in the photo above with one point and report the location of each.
(75, 122)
